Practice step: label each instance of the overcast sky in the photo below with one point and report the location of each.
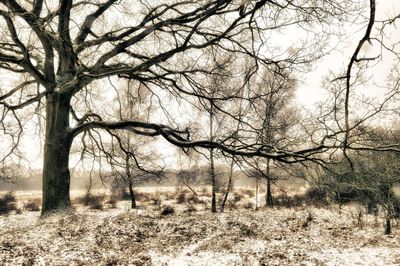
(310, 90)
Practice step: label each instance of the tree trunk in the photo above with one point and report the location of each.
(132, 195)
(388, 226)
(256, 205)
(130, 179)
(56, 175)
(268, 196)
(228, 188)
(212, 167)
(213, 183)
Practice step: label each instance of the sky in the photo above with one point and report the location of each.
(309, 92)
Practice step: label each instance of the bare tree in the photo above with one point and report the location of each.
(66, 55)
(277, 116)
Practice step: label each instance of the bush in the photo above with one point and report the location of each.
(289, 201)
(249, 205)
(156, 201)
(112, 202)
(7, 203)
(190, 209)
(142, 197)
(317, 194)
(194, 199)
(32, 205)
(93, 201)
(181, 198)
(124, 195)
(97, 203)
(232, 205)
(168, 210)
(236, 197)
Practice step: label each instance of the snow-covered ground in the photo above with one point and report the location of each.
(278, 236)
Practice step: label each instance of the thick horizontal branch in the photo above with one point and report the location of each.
(182, 139)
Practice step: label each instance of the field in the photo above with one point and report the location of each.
(116, 235)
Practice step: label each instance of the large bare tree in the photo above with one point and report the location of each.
(65, 55)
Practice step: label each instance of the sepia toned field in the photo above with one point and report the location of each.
(294, 235)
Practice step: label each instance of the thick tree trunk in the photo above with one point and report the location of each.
(132, 195)
(56, 175)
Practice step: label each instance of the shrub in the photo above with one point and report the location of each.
(190, 209)
(32, 205)
(7, 203)
(194, 199)
(236, 197)
(93, 201)
(284, 200)
(249, 205)
(316, 194)
(181, 198)
(168, 210)
(124, 195)
(232, 205)
(142, 197)
(112, 202)
(308, 219)
(156, 201)
(97, 203)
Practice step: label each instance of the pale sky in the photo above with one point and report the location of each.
(307, 94)
(311, 91)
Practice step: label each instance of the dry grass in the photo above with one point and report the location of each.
(191, 235)
(284, 236)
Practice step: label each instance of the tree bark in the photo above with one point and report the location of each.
(132, 195)
(228, 188)
(58, 140)
(268, 197)
(213, 183)
(388, 226)
(212, 167)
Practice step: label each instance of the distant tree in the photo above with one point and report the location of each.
(187, 178)
(275, 118)
(219, 86)
(130, 162)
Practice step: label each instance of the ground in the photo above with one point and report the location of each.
(299, 235)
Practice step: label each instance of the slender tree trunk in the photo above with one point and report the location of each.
(130, 179)
(132, 195)
(256, 207)
(388, 225)
(212, 167)
(56, 175)
(213, 183)
(228, 188)
(268, 197)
